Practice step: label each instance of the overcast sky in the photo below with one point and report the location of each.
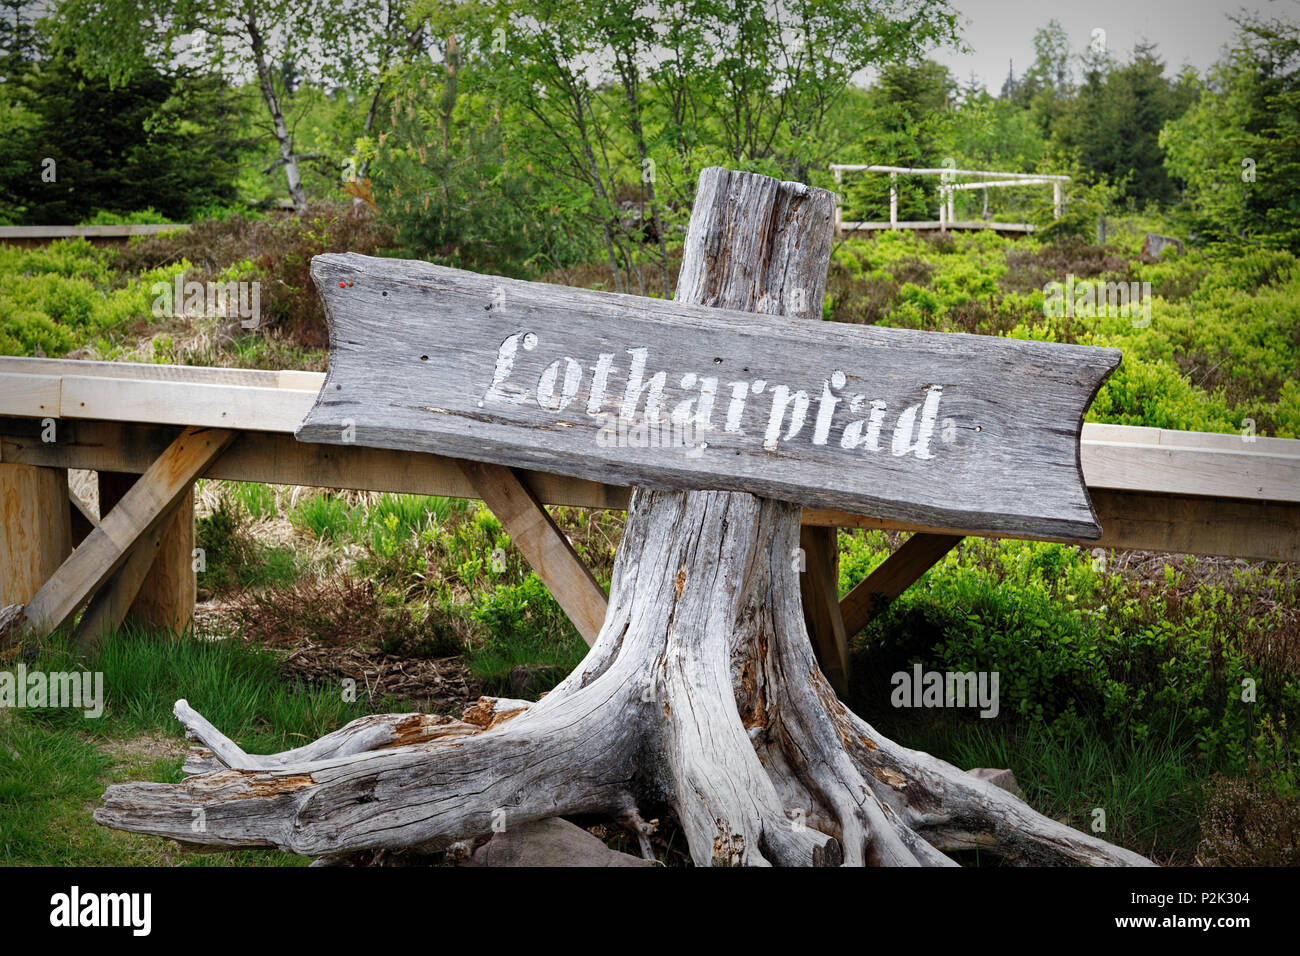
(1185, 31)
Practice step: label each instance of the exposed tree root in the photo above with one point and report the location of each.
(701, 693)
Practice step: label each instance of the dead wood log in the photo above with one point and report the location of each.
(700, 693)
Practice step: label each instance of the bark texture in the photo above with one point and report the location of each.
(701, 692)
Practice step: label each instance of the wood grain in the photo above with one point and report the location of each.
(35, 528)
(1218, 523)
(434, 359)
(1121, 457)
(167, 588)
(142, 510)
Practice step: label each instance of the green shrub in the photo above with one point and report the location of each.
(1075, 643)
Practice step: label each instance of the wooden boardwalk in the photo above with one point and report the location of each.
(1153, 489)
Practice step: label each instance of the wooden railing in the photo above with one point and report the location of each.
(1153, 489)
(39, 235)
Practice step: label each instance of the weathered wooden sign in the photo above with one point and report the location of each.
(959, 431)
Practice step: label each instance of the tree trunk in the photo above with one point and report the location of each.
(288, 158)
(701, 693)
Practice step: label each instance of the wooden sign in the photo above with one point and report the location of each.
(960, 431)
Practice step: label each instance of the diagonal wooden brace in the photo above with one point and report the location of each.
(543, 545)
(899, 571)
(142, 510)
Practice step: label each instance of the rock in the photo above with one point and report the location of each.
(1155, 244)
(550, 842)
(999, 778)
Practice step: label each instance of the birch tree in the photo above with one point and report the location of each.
(243, 40)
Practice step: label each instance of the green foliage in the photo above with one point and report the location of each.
(1235, 149)
(59, 297)
(146, 216)
(1222, 344)
(1114, 125)
(157, 141)
(443, 177)
(277, 252)
(526, 627)
(1076, 645)
(1149, 788)
(233, 558)
(909, 110)
(238, 685)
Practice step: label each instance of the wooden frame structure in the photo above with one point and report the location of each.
(987, 180)
(1153, 489)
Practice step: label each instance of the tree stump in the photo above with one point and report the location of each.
(700, 694)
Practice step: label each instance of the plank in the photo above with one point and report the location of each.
(1094, 432)
(1215, 524)
(534, 532)
(151, 372)
(1233, 471)
(1134, 520)
(969, 429)
(30, 233)
(141, 510)
(895, 575)
(1188, 524)
(35, 530)
(935, 224)
(277, 458)
(183, 403)
(819, 591)
(36, 396)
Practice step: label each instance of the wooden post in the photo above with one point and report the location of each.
(35, 529)
(111, 604)
(701, 693)
(839, 208)
(1056, 199)
(168, 589)
(143, 509)
(819, 590)
(893, 200)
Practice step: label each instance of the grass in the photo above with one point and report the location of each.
(1149, 790)
(1113, 690)
(526, 630)
(236, 687)
(326, 516)
(54, 765)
